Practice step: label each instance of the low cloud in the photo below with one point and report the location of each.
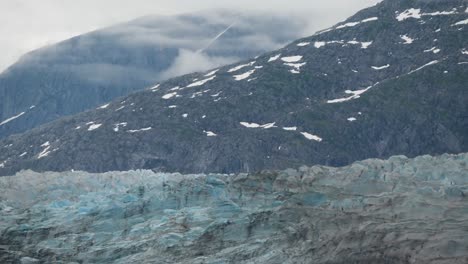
(27, 25)
(191, 61)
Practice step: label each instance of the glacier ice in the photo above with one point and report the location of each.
(375, 211)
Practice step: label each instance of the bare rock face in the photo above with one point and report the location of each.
(390, 80)
(375, 211)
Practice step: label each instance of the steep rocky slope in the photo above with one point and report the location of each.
(88, 70)
(396, 211)
(390, 80)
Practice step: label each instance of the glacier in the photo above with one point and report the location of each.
(398, 210)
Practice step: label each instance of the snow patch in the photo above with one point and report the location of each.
(94, 127)
(210, 134)
(154, 88)
(216, 94)
(409, 13)
(243, 76)
(354, 95)
(11, 118)
(365, 45)
(117, 126)
(433, 50)
(370, 19)
(441, 13)
(45, 152)
(459, 23)
(407, 39)
(255, 125)
(169, 96)
(241, 66)
(296, 66)
(424, 66)
(381, 67)
(140, 130)
(311, 137)
(291, 59)
(201, 82)
(319, 44)
(352, 24)
(303, 44)
(103, 106)
(211, 73)
(274, 58)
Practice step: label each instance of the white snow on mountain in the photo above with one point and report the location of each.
(409, 13)
(354, 95)
(211, 73)
(296, 66)
(274, 58)
(117, 126)
(303, 44)
(352, 24)
(210, 134)
(407, 39)
(11, 118)
(255, 125)
(140, 130)
(201, 82)
(364, 45)
(463, 22)
(434, 50)
(169, 95)
(94, 127)
(45, 152)
(104, 106)
(319, 44)
(381, 67)
(239, 67)
(424, 66)
(291, 59)
(311, 136)
(416, 14)
(243, 76)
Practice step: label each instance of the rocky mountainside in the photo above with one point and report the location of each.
(390, 80)
(396, 211)
(88, 70)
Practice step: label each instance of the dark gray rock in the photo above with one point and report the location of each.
(416, 103)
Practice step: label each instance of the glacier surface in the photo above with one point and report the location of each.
(395, 211)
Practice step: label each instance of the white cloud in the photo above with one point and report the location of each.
(190, 61)
(30, 24)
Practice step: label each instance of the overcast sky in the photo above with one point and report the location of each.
(29, 24)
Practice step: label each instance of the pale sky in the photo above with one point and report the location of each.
(29, 24)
